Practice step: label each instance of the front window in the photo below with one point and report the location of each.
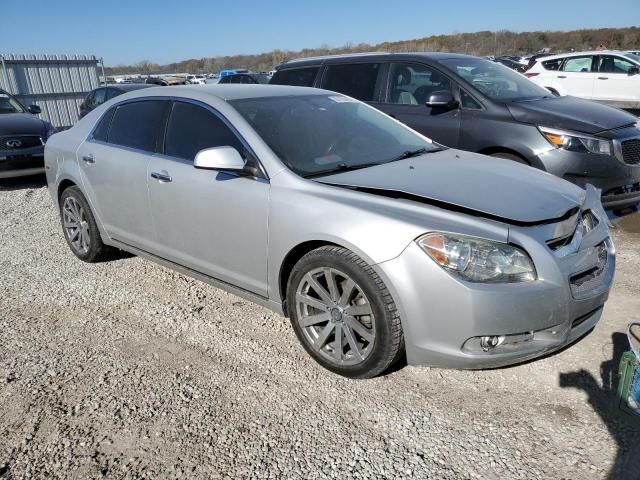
(323, 134)
(412, 84)
(9, 104)
(496, 81)
(609, 64)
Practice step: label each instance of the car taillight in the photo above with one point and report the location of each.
(531, 74)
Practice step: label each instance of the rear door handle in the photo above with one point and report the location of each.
(603, 78)
(89, 158)
(562, 76)
(162, 177)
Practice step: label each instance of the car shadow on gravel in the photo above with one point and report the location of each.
(23, 183)
(623, 428)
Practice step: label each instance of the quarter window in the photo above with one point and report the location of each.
(99, 97)
(608, 64)
(302, 77)
(356, 80)
(192, 128)
(577, 64)
(468, 102)
(101, 131)
(552, 64)
(137, 125)
(412, 84)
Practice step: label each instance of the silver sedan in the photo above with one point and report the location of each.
(377, 243)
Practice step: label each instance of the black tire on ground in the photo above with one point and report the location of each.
(97, 250)
(510, 156)
(388, 345)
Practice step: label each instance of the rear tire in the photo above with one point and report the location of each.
(80, 228)
(343, 314)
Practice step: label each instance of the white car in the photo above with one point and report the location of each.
(609, 77)
(196, 79)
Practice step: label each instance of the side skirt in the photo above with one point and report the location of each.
(227, 287)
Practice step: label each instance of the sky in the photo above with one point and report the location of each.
(165, 31)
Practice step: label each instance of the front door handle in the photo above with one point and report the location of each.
(603, 78)
(89, 158)
(562, 76)
(162, 177)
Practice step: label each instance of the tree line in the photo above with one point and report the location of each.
(503, 42)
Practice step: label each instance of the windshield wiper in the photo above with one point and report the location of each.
(342, 167)
(411, 153)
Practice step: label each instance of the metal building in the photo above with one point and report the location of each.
(57, 83)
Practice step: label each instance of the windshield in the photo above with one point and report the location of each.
(496, 81)
(633, 56)
(9, 104)
(316, 134)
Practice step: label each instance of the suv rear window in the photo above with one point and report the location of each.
(356, 80)
(137, 125)
(301, 77)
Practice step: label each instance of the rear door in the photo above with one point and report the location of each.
(613, 83)
(409, 87)
(577, 76)
(113, 162)
(213, 222)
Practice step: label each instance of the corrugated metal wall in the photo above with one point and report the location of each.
(57, 83)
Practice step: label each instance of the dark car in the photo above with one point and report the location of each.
(511, 63)
(478, 105)
(22, 138)
(245, 78)
(97, 97)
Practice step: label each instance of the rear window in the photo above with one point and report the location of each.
(137, 125)
(356, 80)
(552, 64)
(301, 77)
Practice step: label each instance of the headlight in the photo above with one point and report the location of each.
(576, 142)
(478, 260)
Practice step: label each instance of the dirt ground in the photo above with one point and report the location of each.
(125, 369)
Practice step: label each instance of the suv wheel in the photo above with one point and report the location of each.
(343, 314)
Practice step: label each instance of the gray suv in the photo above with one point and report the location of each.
(480, 106)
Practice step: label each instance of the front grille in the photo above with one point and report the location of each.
(631, 151)
(623, 190)
(19, 142)
(21, 162)
(584, 283)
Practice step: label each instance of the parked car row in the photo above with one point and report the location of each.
(477, 105)
(375, 241)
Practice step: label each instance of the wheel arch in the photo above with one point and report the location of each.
(496, 149)
(62, 186)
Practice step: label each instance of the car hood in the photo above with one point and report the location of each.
(476, 184)
(570, 113)
(21, 124)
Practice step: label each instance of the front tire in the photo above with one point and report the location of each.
(79, 227)
(343, 314)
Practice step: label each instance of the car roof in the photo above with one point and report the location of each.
(128, 87)
(374, 56)
(580, 54)
(230, 91)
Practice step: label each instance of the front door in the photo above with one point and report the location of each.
(410, 85)
(212, 222)
(614, 84)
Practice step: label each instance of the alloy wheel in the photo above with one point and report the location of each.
(335, 316)
(76, 226)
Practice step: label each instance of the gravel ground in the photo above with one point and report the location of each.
(125, 369)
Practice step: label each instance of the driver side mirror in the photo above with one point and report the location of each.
(442, 99)
(633, 71)
(35, 109)
(219, 158)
